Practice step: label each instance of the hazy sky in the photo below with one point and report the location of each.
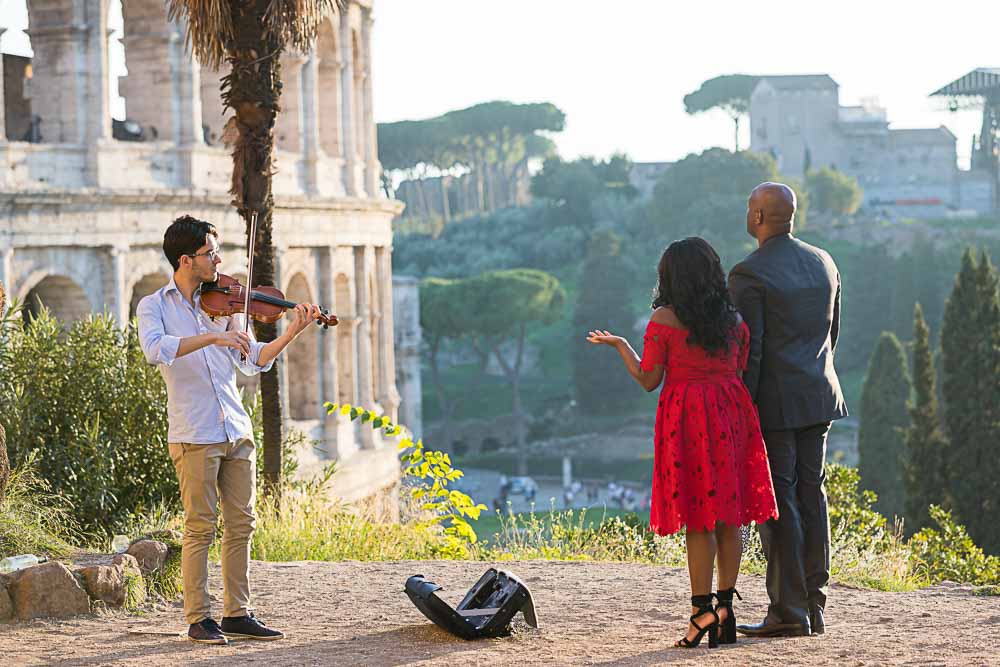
(620, 69)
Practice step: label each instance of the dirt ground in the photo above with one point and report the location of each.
(590, 613)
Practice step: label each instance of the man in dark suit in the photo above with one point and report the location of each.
(789, 295)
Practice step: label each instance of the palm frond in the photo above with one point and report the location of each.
(211, 26)
(296, 22)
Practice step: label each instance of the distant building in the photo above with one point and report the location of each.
(910, 172)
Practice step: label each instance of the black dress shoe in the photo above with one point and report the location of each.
(248, 627)
(816, 620)
(770, 628)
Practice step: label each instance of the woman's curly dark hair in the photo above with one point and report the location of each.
(693, 284)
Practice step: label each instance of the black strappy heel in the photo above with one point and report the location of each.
(727, 627)
(704, 605)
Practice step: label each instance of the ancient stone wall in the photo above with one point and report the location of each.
(82, 214)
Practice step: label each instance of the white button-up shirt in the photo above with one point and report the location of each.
(203, 402)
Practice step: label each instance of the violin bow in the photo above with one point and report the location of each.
(251, 242)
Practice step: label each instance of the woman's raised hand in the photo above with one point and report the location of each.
(598, 337)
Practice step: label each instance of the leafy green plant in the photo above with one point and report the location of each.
(427, 474)
(89, 408)
(948, 553)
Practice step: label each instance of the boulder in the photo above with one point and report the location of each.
(151, 554)
(49, 589)
(112, 581)
(6, 604)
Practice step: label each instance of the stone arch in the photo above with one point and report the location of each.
(329, 69)
(298, 270)
(145, 286)
(346, 354)
(63, 297)
(303, 371)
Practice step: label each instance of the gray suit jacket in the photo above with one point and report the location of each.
(789, 295)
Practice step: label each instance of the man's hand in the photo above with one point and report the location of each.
(305, 314)
(238, 340)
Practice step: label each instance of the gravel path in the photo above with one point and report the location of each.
(590, 613)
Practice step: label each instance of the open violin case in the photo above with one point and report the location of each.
(486, 610)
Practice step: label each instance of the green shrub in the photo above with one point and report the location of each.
(864, 550)
(85, 401)
(947, 553)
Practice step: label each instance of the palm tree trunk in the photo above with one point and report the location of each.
(252, 90)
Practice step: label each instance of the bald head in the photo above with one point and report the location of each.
(770, 210)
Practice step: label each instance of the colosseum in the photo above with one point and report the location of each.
(84, 199)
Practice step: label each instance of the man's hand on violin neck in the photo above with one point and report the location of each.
(305, 314)
(238, 340)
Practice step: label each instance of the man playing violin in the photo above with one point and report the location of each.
(210, 433)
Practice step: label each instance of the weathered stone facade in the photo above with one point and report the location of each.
(82, 214)
(911, 172)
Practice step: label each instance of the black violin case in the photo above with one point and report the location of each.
(486, 610)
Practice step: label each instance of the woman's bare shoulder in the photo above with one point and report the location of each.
(666, 315)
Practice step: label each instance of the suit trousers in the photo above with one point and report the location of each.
(206, 472)
(797, 543)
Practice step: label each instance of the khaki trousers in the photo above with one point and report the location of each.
(206, 472)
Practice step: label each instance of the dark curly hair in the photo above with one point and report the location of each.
(693, 284)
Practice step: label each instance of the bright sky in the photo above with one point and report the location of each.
(620, 69)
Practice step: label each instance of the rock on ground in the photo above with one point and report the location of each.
(45, 590)
(110, 581)
(151, 555)
(6, 604)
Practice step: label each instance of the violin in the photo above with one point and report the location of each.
(227, 296)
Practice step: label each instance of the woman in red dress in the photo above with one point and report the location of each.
(711, 473)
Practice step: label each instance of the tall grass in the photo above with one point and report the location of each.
(34, 519)
(309, 525)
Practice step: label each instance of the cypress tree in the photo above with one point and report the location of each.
(883, 417)
(970, 336)
(601, 385)
(959, 372)
(926, 445)
(985, 468)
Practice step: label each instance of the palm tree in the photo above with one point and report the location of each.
(250, 35)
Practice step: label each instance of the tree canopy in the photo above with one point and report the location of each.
(832, 191)
(574, 186)
(489, 133)
(729, 92)
(492, 140)
(707, 193)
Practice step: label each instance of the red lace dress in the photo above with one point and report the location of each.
(709, 458)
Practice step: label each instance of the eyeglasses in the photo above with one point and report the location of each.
(211, 254)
